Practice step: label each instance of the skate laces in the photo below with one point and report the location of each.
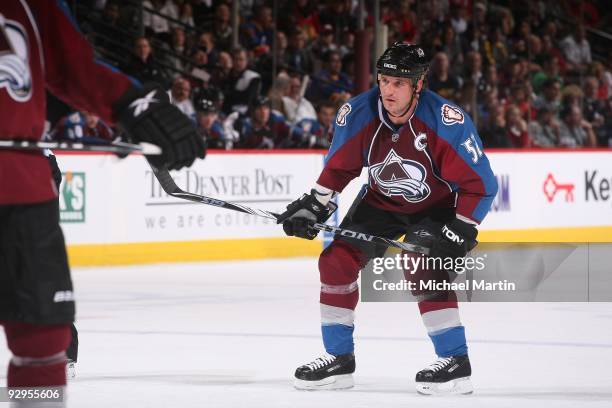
(321, 361)
(439, 364)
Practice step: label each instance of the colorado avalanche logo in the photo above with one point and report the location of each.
(396, 176)
(451, 115)
(15, 73)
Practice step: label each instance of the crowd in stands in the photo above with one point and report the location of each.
(526, 78)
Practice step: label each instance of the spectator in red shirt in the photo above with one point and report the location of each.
(516, 128)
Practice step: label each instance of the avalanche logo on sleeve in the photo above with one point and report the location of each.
(451, 115)
(396, 176)
(342, 114)
(15, 73)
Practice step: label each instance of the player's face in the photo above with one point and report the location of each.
(396, 93)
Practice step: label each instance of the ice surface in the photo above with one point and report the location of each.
(231, 334)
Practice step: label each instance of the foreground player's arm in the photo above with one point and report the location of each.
(462, 162)
(74, 75)
(343, 163)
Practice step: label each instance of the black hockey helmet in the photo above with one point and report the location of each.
(262, 101)
(403, 60)
(207, 99)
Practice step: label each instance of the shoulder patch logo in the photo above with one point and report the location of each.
(15, 75)
(342, 114)
(451, 115)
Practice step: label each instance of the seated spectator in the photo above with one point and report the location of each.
(324, 43)
(451, 45)
(186, 15)
(338, 15)
(222, 27)
(180, 95)
(489, 82)
(347, 45)
(259, 31)
(535, 54)
(494, 133)
(459, 16)
(109, 29)
(179, 55)
(221, 71)
(441, 80)
(604, 76)
(516, 128)
(242, 86)
(206, 41)
(82, 127)
(574, 130)
(143, 66)
(496, 48)
(571, 95)
(550, 98)
(200, 75)
(550, 70)
(261, 129)
(519, 97)
(295, 105)
(330, 83)
(318, 133)
(467, 98)
(577, 50)
(207, 119)
(473, 67)
(544, 131)
(302, 14)
(264, 61)
(156, 25)
(594, 109)
(298, 57)
(486, 106)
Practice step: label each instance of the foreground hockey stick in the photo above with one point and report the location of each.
(115, 147)
(170, 187)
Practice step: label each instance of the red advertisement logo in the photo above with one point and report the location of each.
(551, 187)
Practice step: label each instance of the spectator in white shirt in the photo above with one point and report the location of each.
(577, 50)
(180, 96)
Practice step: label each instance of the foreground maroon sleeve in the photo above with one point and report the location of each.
(71, 70)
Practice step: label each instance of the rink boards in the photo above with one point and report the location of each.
(114, 212)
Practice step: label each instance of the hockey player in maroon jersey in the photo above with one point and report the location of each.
(429, 179)
(41, 49)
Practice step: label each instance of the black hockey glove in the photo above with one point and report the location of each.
(302, 213)
(456, 239)
(146, 115)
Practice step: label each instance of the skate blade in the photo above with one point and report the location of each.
(462, 386)
(335, 382)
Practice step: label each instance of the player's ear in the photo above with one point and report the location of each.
(420, 84)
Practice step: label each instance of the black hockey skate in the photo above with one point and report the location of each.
(327, 372)
(450, 375)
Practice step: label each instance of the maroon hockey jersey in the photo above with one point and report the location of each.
(42, 48)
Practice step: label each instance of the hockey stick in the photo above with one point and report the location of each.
(115, 147)
(170, 187)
